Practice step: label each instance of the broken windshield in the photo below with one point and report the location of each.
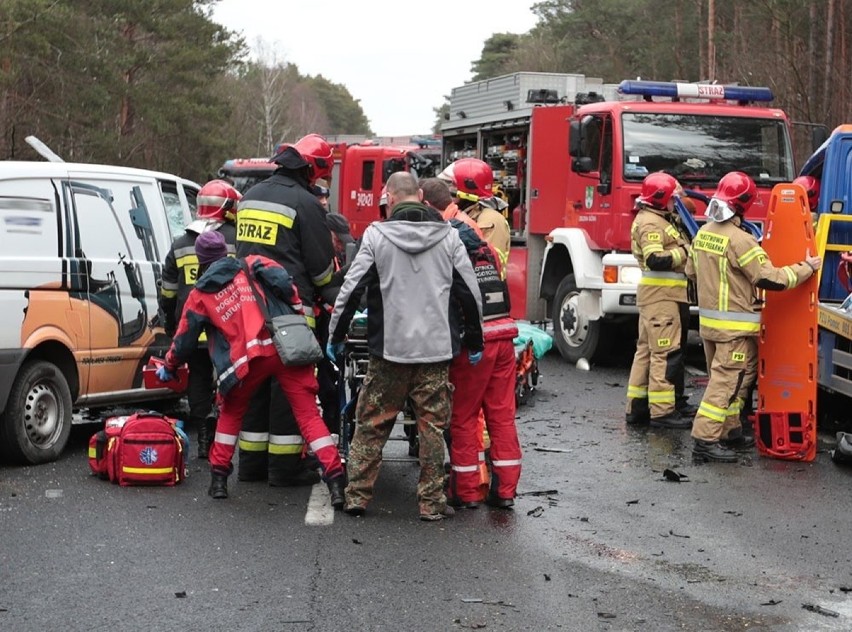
(701, 149)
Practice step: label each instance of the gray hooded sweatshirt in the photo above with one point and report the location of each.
(414, 269)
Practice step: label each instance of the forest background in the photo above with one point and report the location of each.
(158, 84)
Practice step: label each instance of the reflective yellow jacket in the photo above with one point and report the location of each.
(662, 252)
(730, 267)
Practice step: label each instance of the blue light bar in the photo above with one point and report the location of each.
(694, 91)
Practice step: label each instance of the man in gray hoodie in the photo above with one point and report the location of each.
(412, 267)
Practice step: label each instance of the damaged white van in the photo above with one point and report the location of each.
(81, 251)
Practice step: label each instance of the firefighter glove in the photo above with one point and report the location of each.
(164, 375)
(474, 357)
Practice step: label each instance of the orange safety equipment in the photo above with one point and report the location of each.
(657, 190)
(811, 187)
(737, 190)
(472, 178)
(217, 200)
(317, 152)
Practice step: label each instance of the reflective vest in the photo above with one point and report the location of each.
(728, 264)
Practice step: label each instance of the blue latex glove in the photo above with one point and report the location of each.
(474, 357)
(164, 375)
(333, 350)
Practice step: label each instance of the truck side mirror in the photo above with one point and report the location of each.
(582, 165)
(574, 139)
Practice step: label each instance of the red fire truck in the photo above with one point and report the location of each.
(571, 152)
(360, 171)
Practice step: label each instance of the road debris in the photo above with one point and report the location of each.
(552, 450)
(674, 477)
(810, 607)
(771, 602)
(673, 534)
(181, 594)
(538, 492)
(535, 513)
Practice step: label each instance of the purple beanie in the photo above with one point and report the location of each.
(210, 246)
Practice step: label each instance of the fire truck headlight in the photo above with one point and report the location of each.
(630, 275)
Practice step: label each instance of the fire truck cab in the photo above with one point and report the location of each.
(359, 173)
(571, 153)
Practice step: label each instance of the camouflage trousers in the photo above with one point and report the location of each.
(386, 387)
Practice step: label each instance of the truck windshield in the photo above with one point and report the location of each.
(701, 149)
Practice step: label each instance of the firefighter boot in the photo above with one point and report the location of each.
(673, 421)
(639, 414)
(713, 451)
(218, 486)
(336, 487)
(683, 406)
(738, 441)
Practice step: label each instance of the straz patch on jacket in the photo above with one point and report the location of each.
(710, 242)
(189, 265)
(257, 231)
(738, 356)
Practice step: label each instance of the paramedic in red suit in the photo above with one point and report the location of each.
(487, 385)
(223, 304)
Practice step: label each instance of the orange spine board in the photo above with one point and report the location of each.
(787, 348)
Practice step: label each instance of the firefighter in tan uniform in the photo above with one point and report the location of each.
(471, 180)
(730, 267)
(662, 252)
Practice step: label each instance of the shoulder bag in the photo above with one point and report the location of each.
(293, 339)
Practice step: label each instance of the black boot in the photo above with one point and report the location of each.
(218, 486)
(683, 406)
(301, 478)
(713, 451)
(639, 414)
(738, 441)
(673, 421)
(336, 487)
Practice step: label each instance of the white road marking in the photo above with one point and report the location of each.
(320, 512)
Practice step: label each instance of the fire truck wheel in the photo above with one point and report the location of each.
(37, 422)
(576, 336)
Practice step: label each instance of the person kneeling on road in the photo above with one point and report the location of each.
(223, 304)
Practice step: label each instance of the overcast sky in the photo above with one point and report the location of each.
(398, 58)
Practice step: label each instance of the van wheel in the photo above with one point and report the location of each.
(575, 334)
(37, 422)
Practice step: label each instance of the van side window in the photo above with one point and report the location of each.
(191, 199)
(174, 209)
(113, 279)
(28, 219)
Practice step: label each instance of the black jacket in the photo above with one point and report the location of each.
(281, 219)
(180, 271)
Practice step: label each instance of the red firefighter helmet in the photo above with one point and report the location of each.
(657, 189)
(737, 190)
(811, 186)
(317, 152)
(217, 200)
(472, 178)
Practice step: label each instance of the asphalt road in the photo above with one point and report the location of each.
(598, 540)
